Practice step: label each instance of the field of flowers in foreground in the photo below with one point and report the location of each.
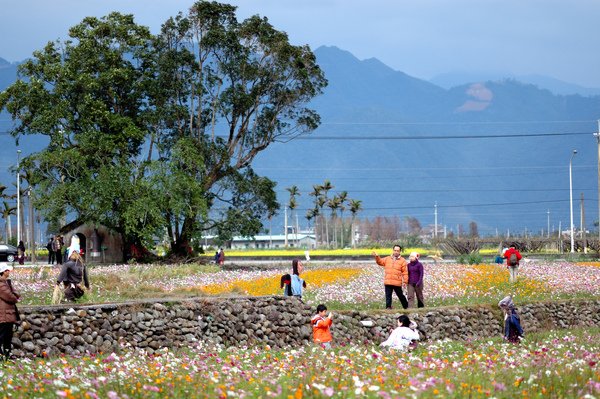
(340, 286)
(561, 364)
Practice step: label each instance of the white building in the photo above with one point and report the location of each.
(268, 241)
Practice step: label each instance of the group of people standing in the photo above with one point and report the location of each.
(398, 274)
(55, 250)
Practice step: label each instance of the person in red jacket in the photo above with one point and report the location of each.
(320, 325)
(513, 256)
(396, 275)
(9, 314)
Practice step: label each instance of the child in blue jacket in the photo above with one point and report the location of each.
(513, 332)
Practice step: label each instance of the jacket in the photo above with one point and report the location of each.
(297, 284)
(415, 273)
(8, 301)
(73, 272)
(396, 271)
(510, 251)
(321, 331)
(401, 338)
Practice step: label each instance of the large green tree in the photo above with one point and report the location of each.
(87, 95)
(157, 133)
(228, 89)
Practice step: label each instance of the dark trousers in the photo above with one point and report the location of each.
(58, 257)
(6, 335)
(51, 257)
(388, 296)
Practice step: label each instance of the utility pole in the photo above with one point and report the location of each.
(18, 196)
(435, 219)
(548, 223)
(598, 138)
(582, 224)
(32, 245)
(285, 226)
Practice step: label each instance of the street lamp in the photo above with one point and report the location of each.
(18, 197)
(571, 198)
(598, 137)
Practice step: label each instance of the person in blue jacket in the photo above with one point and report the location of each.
(297, 284)
(513, 332)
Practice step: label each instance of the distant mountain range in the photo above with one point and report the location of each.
(494, 151)
(556, 86)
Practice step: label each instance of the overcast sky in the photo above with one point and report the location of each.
(424, 38)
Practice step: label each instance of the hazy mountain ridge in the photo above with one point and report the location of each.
(402, 177)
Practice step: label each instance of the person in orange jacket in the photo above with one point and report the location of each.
(396, 275)
(320, 325)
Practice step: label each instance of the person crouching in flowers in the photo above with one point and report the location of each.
(403, 336)
(9, 314)
(71, 274)
(513, 332)
(320, 325)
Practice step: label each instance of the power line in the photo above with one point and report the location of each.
(438, 137)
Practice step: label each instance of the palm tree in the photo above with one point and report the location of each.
(7, 211)
(342, 197)
(311, 214)
(325, 189)
(334, 205)
(317, 194)
(293, 204)
(355, 206)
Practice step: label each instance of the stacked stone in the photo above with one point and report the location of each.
(276, 322)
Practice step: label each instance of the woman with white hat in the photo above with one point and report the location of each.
(9, 314)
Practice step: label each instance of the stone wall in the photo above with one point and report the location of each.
(274, 321)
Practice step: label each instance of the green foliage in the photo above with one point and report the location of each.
(473, 258)
(113, 89)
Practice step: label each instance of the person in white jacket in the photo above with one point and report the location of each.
(403, 335)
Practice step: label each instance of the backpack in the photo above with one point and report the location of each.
(513, 260)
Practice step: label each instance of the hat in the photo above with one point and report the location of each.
(4, 267)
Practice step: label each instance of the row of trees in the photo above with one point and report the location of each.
(156, 133)
(338, 203)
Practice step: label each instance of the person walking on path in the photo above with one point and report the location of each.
(396, 275)
(415, 281)
(513, 256)
(9, 314)
(221, 257)
(57, 248)
(321, 327)
(51, 253)
(21, 252)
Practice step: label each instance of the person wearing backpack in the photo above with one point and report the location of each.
(512, 256)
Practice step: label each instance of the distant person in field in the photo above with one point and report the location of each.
(512, 256)
(21, 252)
(51, 253)
(321, 324)
(221, 257)
(396, 275)
(513, 332)
(415, 281)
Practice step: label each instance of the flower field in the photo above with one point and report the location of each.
(560, 364)
(340, 286)
(556, 365)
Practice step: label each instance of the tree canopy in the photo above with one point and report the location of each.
(157, 133)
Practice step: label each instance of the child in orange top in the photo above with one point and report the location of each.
(320, 325)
